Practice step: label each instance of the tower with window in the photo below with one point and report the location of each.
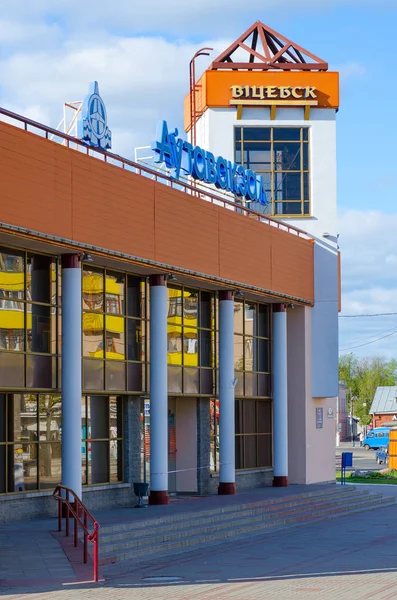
(270, 105)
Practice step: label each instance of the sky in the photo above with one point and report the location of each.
(139, 53)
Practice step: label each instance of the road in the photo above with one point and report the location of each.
(362, 459)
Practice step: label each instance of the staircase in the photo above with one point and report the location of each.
(149, 538)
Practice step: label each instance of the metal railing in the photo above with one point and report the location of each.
(78, 511)
(114, 159)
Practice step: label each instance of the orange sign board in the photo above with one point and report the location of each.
(221, 89)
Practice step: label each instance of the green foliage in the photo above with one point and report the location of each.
(389, 477)
(362, 376)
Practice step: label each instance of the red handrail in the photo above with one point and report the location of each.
(140, 169)
(77, 509)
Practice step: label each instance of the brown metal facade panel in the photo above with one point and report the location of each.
(35, 190)
(292, 265)
(186, 231)
(108, 212)
(245, 250)
(61, 192)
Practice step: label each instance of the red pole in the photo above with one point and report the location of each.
(96, 552)
(85, 538)
(67, 513)
(59, 512)
(76, 538)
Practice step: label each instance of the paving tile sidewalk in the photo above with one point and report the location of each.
(32, 553)
(352, 557)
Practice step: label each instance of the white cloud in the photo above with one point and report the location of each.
(139, 52)
(367, 238)
(351, 70)
(23, 33)
(141, 81)
(369, 281)
(173, 18)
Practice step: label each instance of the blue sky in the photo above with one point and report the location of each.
(139, 53)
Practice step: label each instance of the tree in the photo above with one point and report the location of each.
(362, 376)
(49, 412)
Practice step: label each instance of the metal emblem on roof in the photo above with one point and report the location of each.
(93, 127)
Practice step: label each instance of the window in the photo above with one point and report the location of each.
(253, 434)
(112, 304)
(12, 339)
(102, 439)
(175, 307)
(281, 155)
(251, 348)
(174, 344)
(253, 439)
(28, 320)
(114, 331)
(191, 341)
(30, 442)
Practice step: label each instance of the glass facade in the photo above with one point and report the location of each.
(281, 155)
(28, 320)
(252, 369)
(102, 439)
(191, 341)
(114, 331)
(30, 442)
(253, 420)
(116, 363)
(251, 349)
(253, 437)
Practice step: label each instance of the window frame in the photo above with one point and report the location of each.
(274, 206)
(107, 341)
(17, 341)
(87, 440)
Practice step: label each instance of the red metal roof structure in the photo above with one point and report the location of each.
(266, 49)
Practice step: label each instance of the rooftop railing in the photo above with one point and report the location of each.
(69, 141)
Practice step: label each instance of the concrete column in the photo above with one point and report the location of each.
(227, 475)
(71, 372)
(299, 360)
(133, 446)
(203, 445)
(158, 391)
(280, 396)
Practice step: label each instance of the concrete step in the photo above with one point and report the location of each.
(165, 531)
(181, 535)
(123, 564)
(261, 520)
(218, 512)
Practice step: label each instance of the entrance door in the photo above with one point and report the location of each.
(171, 445)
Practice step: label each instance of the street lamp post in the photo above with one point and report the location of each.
(193, 90)
(351, 417)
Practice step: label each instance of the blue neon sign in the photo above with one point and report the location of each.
(179, 155)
